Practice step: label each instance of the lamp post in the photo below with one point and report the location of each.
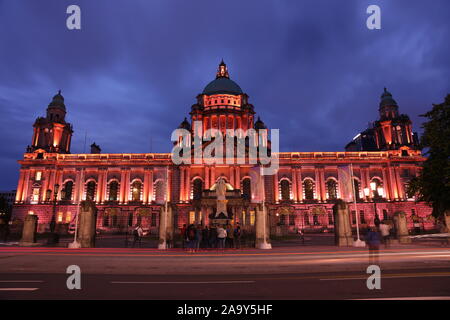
(376, 192)
(53, 221)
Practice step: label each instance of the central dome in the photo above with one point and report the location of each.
(222, 83)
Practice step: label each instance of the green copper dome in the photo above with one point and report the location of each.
(222, 85)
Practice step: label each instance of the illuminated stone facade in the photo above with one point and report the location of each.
(131, 188)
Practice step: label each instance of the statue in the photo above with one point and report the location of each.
(221, 190)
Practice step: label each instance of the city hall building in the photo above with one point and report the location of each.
(130, 189)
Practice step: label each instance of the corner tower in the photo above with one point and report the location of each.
(52, 133)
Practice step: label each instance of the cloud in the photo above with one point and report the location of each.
(129, 77)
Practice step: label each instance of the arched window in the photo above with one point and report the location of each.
(113, 191)
(308, 189)
(68, 189)
(246, 189)
(331, 189)
(90, 190)
(285, 189)
(197, 189)
(136, 188)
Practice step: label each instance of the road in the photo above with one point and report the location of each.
(282, 273)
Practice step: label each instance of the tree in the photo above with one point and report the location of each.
(432, 185)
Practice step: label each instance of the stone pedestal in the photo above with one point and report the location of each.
(29, 231)
(262, 228)
(401, 227)
(165, 227)
(87, 224)
(342, 227)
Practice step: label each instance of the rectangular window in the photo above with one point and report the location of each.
(252, 218)
(191, 217)
(35, 195)
(68, 217)
(38, 176)
(353, 217)
(362, 218)
(60, 217)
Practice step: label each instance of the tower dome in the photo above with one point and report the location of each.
(58, 101)
(222, 83)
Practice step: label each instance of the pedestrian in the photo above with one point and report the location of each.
(198, 236)
(137, 235)
(237, 236)
(205, 237)
(373, 240)
(183, 236)
(213, 237)
(221, 236)
(385, 230)
(301, 235)
(230, 236)
(191, 237)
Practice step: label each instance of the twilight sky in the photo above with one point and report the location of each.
(130, 75)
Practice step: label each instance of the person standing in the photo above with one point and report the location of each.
(385, 230)
(373, 240)
(213, 237)
(137, 235)
(230, 236)
(237, 236)
(183, 236)
(221, 236)
(198, 236)
(191, 238)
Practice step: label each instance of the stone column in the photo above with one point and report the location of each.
(342, 226)
(25, 198)
(401, 227)
(87, 224)
(182, 187)
(122, 186)
(29, 231)
(294, 184)
(300, 185)
(262, 228)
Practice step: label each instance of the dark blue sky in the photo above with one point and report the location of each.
(311, 68)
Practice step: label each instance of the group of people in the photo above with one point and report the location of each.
(375, 236)
(204, 237)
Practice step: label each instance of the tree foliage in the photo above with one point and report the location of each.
(433, 183)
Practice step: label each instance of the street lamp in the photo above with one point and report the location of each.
(376, 193)
(53, 221)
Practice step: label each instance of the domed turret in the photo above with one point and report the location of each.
(259, 124)
(222, 83)
(185, 125)
(58, 101)
(386, 99)
(388, 106)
